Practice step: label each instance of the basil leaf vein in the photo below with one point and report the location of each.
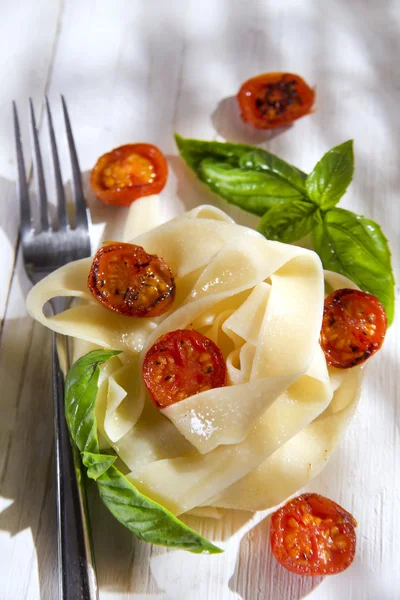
(330, 178)
(254, 191)
(289, 222)
(262, 160)
(147, 519)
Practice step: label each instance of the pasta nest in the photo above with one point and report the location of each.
(250, 444)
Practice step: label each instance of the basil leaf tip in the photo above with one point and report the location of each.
(330, 178)
(147, 519)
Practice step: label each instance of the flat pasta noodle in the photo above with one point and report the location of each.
(247, 445)
(123, 409)
(292, 313)
(300, 459)
(185, 482)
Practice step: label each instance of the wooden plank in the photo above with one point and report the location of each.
(24, 74)
(27, 519)
(28, 535)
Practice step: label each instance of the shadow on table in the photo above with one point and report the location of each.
(128, 565)
(27, 453)
(258, 575)
(229, 124)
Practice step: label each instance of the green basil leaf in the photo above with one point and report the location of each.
(147, 519)
(254, 191)
(247, 176)
(331, 176)
(289, 222)
(356, 247)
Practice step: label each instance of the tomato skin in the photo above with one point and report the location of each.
(126, 279)
(353, 327)
(312, 535)
(274, 99)
(123, 196)
(180, 364)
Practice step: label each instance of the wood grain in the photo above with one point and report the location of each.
(24, 72)
(138, 71)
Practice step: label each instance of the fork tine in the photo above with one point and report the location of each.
(22, 183)
(38, 171)
(61, 209)
(77, 190)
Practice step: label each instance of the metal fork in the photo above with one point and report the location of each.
(44, 250)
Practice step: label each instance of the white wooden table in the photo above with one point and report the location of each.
(138, 71)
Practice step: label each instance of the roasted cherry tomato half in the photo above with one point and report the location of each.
(353, 327)
(274, 99)
(129, 281)
(129, 172)
(180, 364)
(312, 535)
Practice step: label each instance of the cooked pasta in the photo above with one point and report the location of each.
(247, 445)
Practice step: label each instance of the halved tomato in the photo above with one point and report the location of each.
(312, 535)
(353, 327)
(180, 364)
(274, 99)
(128, 280)
(129, 172)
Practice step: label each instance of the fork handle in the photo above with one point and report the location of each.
(77, 575)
